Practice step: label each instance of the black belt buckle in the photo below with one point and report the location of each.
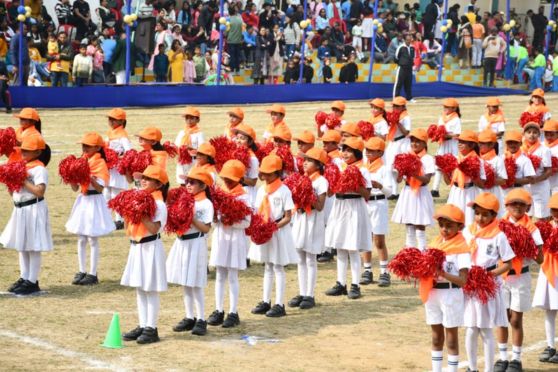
(524, 270)
(398, 138)
(347, 196)
(445, 286)
(28, 202)
(468, 185)
(93, 192)
(191, 236)
(377, 197)
(147, 239)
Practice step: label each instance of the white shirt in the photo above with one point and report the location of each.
(320, 186)
(524, 167)
(160, 214)
(546, 161)
(498, 127)
(381, 128)
(497, 163)
(454, 263)
(280, 201)
(381, 176)
(196, 139)
(203, 212)
(453, 126)
(37, 176)
(406, 122)
(120, 145)
(490, 251)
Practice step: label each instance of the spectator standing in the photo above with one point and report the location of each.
(307, 70)
(404, 57)
(200, 65)
(261, 65)
(64, 12)
(327, 73)
(266, 16)
(393, 46)
(176, 62)
(355, 13)
(453, 14)
(465, 33)
(478, 36)
(357, 32)
(250, 16)
(95, 52)
(249, 45)
(162, 36)
(107, 45)
(4, 93)
(106, 17)
(82, 68)
(321, 21)
(60, 70)
(14, 56)
(349, 71)
(82, 18)
(528, 27)
(292, 35)
(161, 65)
(493, 45)
(234, 39)
(118, 59)
(276, 55)
(536, 70)
(539, 21)
(522, 60)
(189, 68)
(430, 16)
(184, 17)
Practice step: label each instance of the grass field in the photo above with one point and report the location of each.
(384, 330)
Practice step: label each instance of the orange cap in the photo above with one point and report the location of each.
(246, 130)
(317, 154)
(92, 139)
(117, 113)
(237, 111)
(399, 101)
(450, 102)
(469, 136)
(191, 111)
(513, 135)
(277, 108)
(519, 195)
(206, 148)
(32, 143)
(28, 113)
(233, 169)
(339, 105)
(553, 202)
(486, 200)
(531, 124)
(550, 125)
(450, 212)
(487, 135)
(283, 133)
(151, 133)
(493, 101)
(378, 102)
(271, 163)
(354, 143)
(200, 174)
(538, 93)
(351, 128)
(305, 136)
(419, 133)
(155, 172)
(331, 136)
(375, 143)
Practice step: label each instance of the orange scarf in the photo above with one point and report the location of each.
(446, 118)
(489, 155)
(265, 207)
(139, 231)
(525, 221)
(159, 158)
(116, 133)
(550, 264)
(551, 144)
(393, 128)
(98, 168)
(514, 156)
(530, 149)
(377, 119)
(414, 182)
(533, 108)
(375, 165)
(357, 164)
(458, 175)
(498, 117)
(235, 191)
(487, 232)
(186, 140)
(34, 163)
(200, 196)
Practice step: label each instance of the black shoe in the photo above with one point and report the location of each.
(261, 308)
(307, 303)
(435, 193)
(16, 284)
(514, 366)
(295, 301)
(325, 257)
(133, 334)
(367, 277)
(385, 280)
(200, 329)
(337, 290)
(471, 370)
(501, 365)
(78, 278)
(119, 225)
(554, 359)
(89, 280)
(148, 336)
(27, 288)
(185, 324)
(232, 320)
(216, 318)
(276, 311)
(393, 197)
(548, 353)
(354, 293)
(247, 262)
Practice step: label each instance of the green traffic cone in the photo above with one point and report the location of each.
(113, 339)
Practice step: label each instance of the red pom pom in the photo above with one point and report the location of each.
(332, 121)
(227, 150)
(402, 264)
(301, 188)
(284, 152)
(545, 228)
(13, 175)
(441, 133)
(74, 170)
(407, 164)
(471, 167)
(134, 161)
(527, 117)
(432, 132)
(300, 164)
(520, 240)
(351, 180)
(180, 210)
(366, 129)
(446, 163)
(260, 231)
(549, 235)
(264, 150)
(535, 160)
(393, 117)
(511, 169)
(134, 205)
(480, 284)
(490, 176)
(320, 118)
(170, 148)
(230, 209)
(332, 174)
(429, 265)
(112, 157)
(554, 165)
(7, 141)
(184, 156)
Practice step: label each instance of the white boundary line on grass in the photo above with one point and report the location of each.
(84, 358)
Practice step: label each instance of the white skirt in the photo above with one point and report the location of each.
(28, 229)
(145, 268)
(414, 209)
(252, 191)
(117, 180)
(308, 231)
(229, 247)
(395, 148)
(541, 195)
(90, 216)
(490, 315)
(187, 263)
(279, 250)
(379, 218)
(461, 197)
(348, 226)
(546, 296)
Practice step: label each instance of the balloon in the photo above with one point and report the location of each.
(375, 22)
(444, 29)
(222, 27)
(127, 18)
(444, 22)
(21, 17)
(222, 20)
(27, 14)
(228, 24)
(512, 23)
(27, 9)
(380, 29)
(507, 27)
(21, 9)
(374, 27)
(549, 27)
(449, 22)
(134, 16)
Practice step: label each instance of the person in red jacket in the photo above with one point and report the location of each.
(250, 16)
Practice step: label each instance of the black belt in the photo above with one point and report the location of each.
(421, 185)
(377, 197)
(28, 202)
(191, 236)
(302, 210)
(347, 196)
(398, 138)
(445, 285)
(524, 270)
(147, 239)
(468, 185)
(490, 268)
(93, 192)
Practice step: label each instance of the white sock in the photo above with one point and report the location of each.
(367, 266)
(268, 282)
(312, 265)
(189, 302)
(383, 267)
(34, 266)
(471, 346)
(342, 263)
(94, 246)
(302, 272)
(437, 181)
(355, 266)
(488, 342)
(141, 297)
(394, 184)
(82, 254)
(437, 359)
(502, 351)
(411, 237)
(550, 327)
(280, 284)
(234, 290)
(516, 352)
(200, 302)
(421, 239)
(220, 278)
(453, 363)
(153, 306)
(24, 265)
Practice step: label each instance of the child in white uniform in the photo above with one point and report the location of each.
(378, 118)
(187, 261)
(337, 109)
(551, 142)
(236, 115)
(244, 135)
(489, 245)
(525, 172)
(397, 139)
(190, 136)
(274, 202)
(28, 230)
(90, 217)
(487, 149)
(145, 268)
(494, 121)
